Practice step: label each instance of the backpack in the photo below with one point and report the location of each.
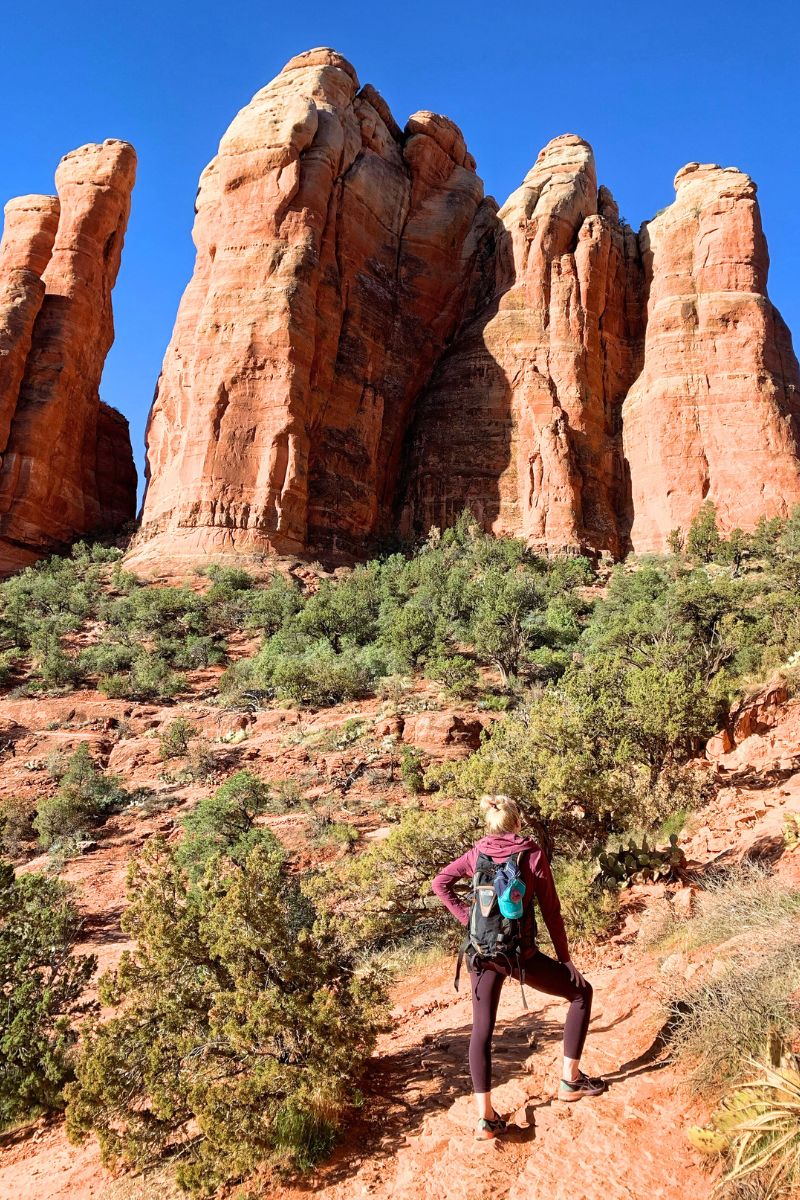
(495, 915)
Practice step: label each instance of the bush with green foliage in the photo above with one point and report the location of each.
(224, 824)
(85, 795)
(42, 985)
(384, 893)
(16, 825)
(241, 1030)
(458, 674)
(411, 771)
(173, 741)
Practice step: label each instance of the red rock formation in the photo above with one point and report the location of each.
(521, 419)
(28, 235)
(333, 255)
(67, 467)
(367, 343)
(715, 414)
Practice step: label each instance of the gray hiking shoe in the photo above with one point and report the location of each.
(584, 1085)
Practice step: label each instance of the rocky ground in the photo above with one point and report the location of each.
(414, 1135)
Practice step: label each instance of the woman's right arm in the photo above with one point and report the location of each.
(445, 882)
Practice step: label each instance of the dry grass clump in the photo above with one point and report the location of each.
(751, 995)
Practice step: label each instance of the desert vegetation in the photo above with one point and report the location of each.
(733, 1026)
(603, 684)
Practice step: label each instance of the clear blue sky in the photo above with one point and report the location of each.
(651, 86)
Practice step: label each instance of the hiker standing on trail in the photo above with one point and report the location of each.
(508, 871)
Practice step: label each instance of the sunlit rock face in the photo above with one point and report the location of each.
(368, 346)
(714, 414)
(333, 255)
(66, 467)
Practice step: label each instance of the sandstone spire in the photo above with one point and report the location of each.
(333, 255)
(28, 235)
(715, 413)
(67, 467)
(520, 421)
(368, 344)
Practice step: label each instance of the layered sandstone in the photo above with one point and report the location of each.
(333, 256)
(368, 344)
(715, 413)
(29, 231)
(521, 420)
(66, 467)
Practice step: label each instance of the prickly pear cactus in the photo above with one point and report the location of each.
(631, 863)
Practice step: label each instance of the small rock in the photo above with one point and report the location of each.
(683, 901)
(676, 964)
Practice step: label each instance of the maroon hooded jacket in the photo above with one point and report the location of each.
(535, 871)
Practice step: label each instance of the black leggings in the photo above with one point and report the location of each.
(540, 972)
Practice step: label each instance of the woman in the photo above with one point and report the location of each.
(487, 975)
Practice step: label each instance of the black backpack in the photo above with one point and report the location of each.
(490, 935)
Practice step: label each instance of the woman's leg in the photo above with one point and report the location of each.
(486, 987)
(547, 975)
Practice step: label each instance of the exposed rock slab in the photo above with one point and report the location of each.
(67, 467)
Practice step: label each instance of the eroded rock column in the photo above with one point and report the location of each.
(49, 489)
(715, 413)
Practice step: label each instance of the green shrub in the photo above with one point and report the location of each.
(587, 908)
(314, 675)
(458, 674)
(150, 678)
(504, 626)
(106, 658)
(191, 652)
(224, 824)
(343, 612)
(201, 764)
(227, 601)
(271, 607)
(704, 538)
(324, 831)
(410, 633)
(411, 770)
(84, 796)
(384, 893)
(43, 981)
(174, 741)
(16, 825)
(264, 1026)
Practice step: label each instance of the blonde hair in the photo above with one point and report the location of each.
(501, 814)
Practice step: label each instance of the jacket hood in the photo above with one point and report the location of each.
(500, 845)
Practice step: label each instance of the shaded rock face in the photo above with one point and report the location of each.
(715, 413)
(333, 253)
(66, 466)
(368, 344)
(521, 420)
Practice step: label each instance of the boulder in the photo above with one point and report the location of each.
(443, 734)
